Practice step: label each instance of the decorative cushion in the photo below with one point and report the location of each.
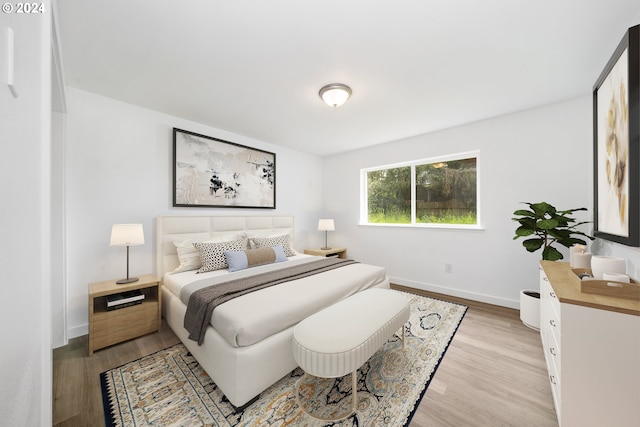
(269, 242)
(212, 254)
(189, 256)
(239, 260)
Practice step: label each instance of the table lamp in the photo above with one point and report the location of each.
(325, 225)
(127, 235)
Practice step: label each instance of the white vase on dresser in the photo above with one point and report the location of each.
(592, 348)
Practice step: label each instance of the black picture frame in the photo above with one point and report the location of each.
(616, 144)
(213, 173)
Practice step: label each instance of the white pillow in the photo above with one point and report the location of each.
(269, 233)
(189, 256)
(269, 242)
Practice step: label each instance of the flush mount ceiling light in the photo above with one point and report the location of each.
(335, 94)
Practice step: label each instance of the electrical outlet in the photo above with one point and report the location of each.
(448, 268)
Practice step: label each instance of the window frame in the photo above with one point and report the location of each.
(364, 201)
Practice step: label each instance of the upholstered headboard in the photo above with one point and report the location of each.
(180, 228)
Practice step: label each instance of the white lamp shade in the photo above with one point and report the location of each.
(127, 235)
(335, 94)
(326, 225)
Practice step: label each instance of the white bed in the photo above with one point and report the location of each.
(241, 361)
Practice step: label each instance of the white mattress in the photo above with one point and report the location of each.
(253, 317)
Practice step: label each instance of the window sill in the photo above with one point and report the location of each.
(470, 227)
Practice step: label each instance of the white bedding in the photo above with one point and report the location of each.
(241, 373)
(251, 318)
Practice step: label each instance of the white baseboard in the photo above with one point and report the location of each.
(78, 331)
(489, 299)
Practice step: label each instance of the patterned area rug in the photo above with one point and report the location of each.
(169, 388)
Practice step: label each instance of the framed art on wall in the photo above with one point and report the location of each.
(616, 147)
(213, 173)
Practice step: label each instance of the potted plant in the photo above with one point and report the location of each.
(547, 226)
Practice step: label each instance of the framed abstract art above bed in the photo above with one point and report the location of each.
(210, 172)
(616, 130)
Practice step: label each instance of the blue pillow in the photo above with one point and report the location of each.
(240, 260)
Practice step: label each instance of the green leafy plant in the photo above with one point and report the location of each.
(549, 226)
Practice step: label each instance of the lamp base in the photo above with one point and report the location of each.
(326, 249)
(127, 280)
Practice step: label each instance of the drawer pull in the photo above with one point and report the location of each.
(552, 378)
(545, 279)
(552, 294)
(552, 322)
(552, 350)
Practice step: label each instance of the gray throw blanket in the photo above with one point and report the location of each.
(203, 301)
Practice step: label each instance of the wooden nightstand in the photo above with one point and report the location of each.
(341, 252)
(111, 327)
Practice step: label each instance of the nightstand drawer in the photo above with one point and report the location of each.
(124, 324)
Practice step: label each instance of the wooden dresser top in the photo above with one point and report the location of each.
(566, 285)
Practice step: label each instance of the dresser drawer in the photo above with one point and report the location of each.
(551, 337)
(549, 320)
(554, 381)
(548, 295)
(552, 349)
(549, 306)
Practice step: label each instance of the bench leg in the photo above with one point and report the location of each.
(354, 404)
(354, 389)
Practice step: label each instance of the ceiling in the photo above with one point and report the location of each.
(254, 67)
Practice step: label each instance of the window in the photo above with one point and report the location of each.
(389, 196)
(440, 191)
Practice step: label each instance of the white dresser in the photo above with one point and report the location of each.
(592, 349)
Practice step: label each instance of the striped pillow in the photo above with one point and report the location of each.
(239, 260)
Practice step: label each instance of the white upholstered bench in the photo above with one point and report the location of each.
(341, 338)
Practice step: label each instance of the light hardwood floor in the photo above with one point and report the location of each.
(493, 374)
(77, 396)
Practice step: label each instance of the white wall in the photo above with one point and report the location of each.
(25, 258)
(119, 170)
(58, 233)
(544, 154)
(58, 170)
